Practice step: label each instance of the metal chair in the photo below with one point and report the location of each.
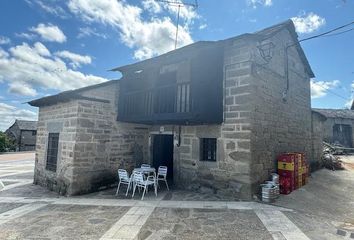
(162, 175)
(140, 182)
(123, 179)
(144, 165)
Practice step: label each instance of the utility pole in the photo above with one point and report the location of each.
(179, 4)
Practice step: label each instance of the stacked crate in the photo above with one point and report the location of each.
(293, 171)
(286, 167)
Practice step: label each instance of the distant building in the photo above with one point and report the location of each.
(216, 113)
(338, 128)
(24, 134)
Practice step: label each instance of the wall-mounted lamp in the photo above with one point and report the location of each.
(266, 51)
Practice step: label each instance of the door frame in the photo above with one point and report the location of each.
(151, 149)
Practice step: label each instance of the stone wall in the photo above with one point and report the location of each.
(103, 144)
(318, 121)
(92, 144)
(59, 118)
(278, 126)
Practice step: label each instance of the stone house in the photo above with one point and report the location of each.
(338, 127)
(23, 133)
(216, 113)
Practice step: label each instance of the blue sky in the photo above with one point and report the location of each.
(47, 46)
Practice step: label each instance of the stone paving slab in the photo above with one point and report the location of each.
(276, 222)
(63, 222)
(4, 207)
(211, 224)
(129, 226)
(27, 175)
(29, 190)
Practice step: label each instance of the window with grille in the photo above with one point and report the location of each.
(208, 149)
(52, 151)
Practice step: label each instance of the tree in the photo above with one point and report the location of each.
(6, 144)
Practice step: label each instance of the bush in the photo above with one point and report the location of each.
(6, 144)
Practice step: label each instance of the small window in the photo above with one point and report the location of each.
(208, 149)
(52, 151)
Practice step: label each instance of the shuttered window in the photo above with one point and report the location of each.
(208, 149)
(52, 151)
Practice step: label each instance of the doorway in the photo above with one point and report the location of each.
(162, 153)
(342, 133)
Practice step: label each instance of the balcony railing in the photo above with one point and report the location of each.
(162, 102)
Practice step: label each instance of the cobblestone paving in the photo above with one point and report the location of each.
(211, 224)
(63, 222)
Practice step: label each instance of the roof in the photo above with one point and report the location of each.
(335, 113)
(178, 51)
(262, 34)
(26, 125)
(69, 95)
(322, 117)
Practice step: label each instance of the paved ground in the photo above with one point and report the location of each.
(316, 211)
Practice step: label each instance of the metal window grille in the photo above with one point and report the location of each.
(52, 151)
(208, 149)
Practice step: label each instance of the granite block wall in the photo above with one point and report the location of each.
(92, 144)
(59, 118)
(279, 123)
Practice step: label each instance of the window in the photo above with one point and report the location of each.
(34, 133)
(208, 149)
(52, 151)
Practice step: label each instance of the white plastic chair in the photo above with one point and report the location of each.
(123, 179)
(144, 165)
(162, 175)
(140, 182)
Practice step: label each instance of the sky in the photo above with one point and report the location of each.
(49, 46)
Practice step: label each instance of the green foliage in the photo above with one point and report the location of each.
(6, 144)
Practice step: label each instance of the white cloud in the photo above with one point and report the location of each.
(54, 9)
(49, 33)
(76, 59)
(307, 23)
(152, 6)
(35, 67)
(147, 38)
(203, 26)
(23, 89)
(4, 40)
(9, 113)
(29, 36)
(320, 88)
(41, 49)
(255, 3)
(87, 31)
